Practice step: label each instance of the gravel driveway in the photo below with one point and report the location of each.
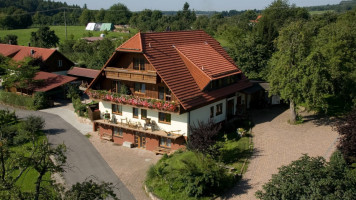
(278, 143)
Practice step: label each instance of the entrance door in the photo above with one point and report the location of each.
(230, 108)
(140, 140)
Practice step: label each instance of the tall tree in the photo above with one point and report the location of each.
(118, 14)
(44, 37)
(347, 131)
(287, 65)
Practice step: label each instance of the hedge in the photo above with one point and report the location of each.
(40, 100)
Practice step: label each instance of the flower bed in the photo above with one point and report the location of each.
(133, 100)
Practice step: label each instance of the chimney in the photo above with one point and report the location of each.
(29, 44)
(32, 52)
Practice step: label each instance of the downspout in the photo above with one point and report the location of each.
(188, 131)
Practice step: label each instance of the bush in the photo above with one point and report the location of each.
(203, 137)
(17, 100)
(79, 107)
(40, 101)
(187, 175)
(229, 129)
(311, 178)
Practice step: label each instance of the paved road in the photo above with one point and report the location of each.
(82, 158)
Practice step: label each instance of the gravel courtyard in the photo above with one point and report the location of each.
(278, 143)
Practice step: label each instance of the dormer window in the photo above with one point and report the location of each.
(139, 64)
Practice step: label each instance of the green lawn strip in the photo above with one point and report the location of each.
(78, 32)
(236, 152)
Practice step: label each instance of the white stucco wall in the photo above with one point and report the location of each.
(178, 122)
(203, 113)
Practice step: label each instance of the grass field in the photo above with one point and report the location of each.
(24, 35)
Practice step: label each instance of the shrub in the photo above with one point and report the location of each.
(72, 91)
(79, 107)
(187, 175)
(40, 101)
(17, 100)
(347, 131)
(311, 178)
(203, 137)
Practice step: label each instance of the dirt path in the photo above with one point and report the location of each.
(278, 143)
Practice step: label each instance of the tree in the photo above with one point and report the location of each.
(44, 37)
(91, 190)
(20, 77)
(289, 74)
(184, 19)
(86, 16)
(347, 131)
(203, 136)
(9, 39)
(118, 14)
(311, 178)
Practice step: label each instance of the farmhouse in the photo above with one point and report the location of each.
(50, 59)
(156, 85)
(53, 66)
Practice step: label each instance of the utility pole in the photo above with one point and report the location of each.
(65, 22)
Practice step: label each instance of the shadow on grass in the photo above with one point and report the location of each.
(321, 120)
(240, 188)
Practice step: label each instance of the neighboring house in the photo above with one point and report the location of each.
(175, 80)
(50, 59)
(85, 76)
(49, 83)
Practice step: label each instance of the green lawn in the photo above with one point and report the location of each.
(28, 179)
(24, 35)
(235, 153)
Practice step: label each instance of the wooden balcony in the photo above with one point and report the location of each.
(131, 75)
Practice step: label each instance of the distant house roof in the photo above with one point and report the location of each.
(18, 53)
(83, 72)
(90, 26)
(107, 27)
(257, 19)
(50, 81)
(187, 61)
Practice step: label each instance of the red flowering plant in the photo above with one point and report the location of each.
(133, 100)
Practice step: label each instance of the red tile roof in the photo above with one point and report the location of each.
(187, 61)
(133, 44)
(50, 81)
(83, 72)
(18, 53)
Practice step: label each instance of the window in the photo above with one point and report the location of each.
(165, 142)
(116, 109)
(164, 94)
(139, 63)
(143, 114)
(219, 109)
(161, 93)
(168, 94)
(140, 87)
(211, 111)
(118, 131)
(135, 112)
(115, 86)
(60, 63)
(164, 118)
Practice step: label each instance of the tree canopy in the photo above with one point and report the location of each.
(312, 178)
(44, 37)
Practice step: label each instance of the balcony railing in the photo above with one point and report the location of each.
(131, 75)
(151, 103)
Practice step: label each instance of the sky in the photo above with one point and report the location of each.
(203, 5)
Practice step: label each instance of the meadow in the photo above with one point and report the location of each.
(77, 32)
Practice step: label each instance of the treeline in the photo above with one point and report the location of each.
(16, 14)
(341, 7)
